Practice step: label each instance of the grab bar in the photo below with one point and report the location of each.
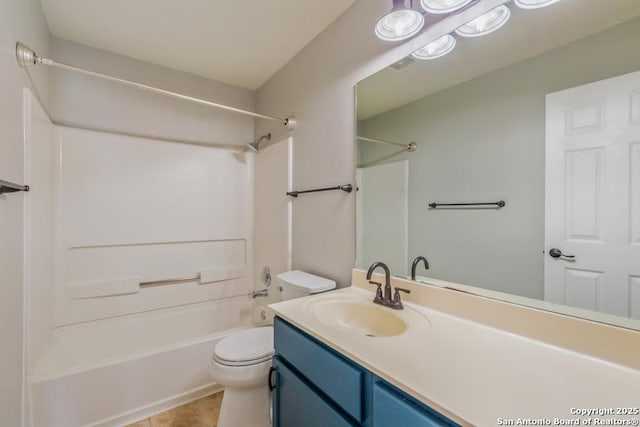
(132, 284)
(204, 276)
(165, 281)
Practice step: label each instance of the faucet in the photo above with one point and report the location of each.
(415, 264)
(262, 293)
(387, 280)
(386, 299)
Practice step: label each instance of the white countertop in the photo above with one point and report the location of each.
(473, 373)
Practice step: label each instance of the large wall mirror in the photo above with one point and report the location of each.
(544, 115)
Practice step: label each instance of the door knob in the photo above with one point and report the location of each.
(557, 253)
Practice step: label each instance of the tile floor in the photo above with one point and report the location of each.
(199, 413)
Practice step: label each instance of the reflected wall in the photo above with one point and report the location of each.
(484, 140)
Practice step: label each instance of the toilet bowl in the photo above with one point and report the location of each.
(240, 364)
(241, 361)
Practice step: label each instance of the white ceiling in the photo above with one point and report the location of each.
(241, 42)
(527, 34)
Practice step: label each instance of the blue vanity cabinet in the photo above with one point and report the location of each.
(393, 408)
(297, 403)
(328, 377)
(317, 387)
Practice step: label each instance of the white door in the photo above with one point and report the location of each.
(593, 196)
(382, 216)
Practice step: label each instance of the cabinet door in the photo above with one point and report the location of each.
(393, 408)
(297, 405)
(339, 379)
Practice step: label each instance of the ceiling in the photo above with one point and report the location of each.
(240, 42)
(528, 34)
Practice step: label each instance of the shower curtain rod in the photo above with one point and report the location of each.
(410, 147)
(27, 57)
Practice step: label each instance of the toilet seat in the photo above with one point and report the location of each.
(249, 347)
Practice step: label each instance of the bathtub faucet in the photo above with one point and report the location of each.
(262, 293)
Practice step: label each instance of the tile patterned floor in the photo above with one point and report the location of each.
(199, 413)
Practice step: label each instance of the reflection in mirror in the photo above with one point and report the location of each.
(543, 114)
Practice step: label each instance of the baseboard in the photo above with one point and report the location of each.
(147, 411)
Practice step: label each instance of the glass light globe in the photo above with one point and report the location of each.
(443, 6)
(399, 24)
(436, 48)
(485, 23)
(534, 4)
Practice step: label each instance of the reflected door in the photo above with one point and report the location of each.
(593, 196)
(383, 231)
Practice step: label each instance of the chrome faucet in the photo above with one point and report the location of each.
(385, 298)
(415, 264)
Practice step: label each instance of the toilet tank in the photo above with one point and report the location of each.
(296, 284)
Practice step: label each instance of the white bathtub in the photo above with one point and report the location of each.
(115, 371)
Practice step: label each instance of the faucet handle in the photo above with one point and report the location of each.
(396, 295)
(378, 290)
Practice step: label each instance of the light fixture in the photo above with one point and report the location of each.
(485, 23)
(534, 4)
(443, 6)
(400, 23)
(437, 48)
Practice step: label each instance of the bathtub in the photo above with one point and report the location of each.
(115, 371)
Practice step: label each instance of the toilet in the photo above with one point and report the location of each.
(241, 361)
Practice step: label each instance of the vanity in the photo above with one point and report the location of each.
(449, 358)
(317, 386)
(518, 178)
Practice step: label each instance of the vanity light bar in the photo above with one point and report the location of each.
(534, 4)
(486, 23)
(405, 21)
(443, 6)
(400, 23)
(436, 49)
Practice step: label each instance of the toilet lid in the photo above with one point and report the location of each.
(244, 348)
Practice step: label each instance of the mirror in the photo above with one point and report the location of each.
(543, 114)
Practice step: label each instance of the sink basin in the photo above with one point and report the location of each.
(360, 318)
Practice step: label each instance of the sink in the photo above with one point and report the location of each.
(358, 317)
